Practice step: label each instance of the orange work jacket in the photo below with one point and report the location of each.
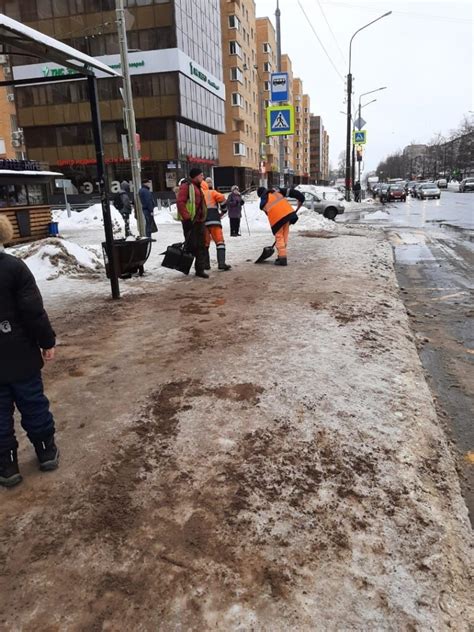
(279, 211)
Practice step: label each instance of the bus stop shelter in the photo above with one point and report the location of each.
(16, 38)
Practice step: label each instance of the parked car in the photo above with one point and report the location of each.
(442, 183)
(329, 208)
(382, 193)
(466, 185)
(428, 190)
(396, 192)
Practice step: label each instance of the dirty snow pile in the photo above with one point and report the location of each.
(309, 220)
(377, 215)
(51, 258)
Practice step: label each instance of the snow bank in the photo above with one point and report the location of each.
(309, 220)
(51, 258)
(377, 215)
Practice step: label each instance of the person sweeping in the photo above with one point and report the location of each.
(214, 232)
(280, 215)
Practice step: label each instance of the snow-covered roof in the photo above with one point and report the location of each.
(14, 172)
(31, 42)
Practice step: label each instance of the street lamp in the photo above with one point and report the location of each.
(359, 113)
(349, 107)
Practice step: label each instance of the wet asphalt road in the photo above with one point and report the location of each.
(433, 242)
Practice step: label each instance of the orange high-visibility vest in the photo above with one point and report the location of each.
(213, 198)
(279, 211)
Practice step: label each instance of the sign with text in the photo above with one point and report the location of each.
(280, 120)
(279, 86)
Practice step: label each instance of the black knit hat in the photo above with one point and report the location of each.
(195, 172)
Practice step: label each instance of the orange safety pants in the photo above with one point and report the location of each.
(281, 238)
(216, 234)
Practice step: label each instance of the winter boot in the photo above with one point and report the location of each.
(281, 261)
(202, 274)
(207, 260)
(221, 264)
(9, 472)
(47, 453)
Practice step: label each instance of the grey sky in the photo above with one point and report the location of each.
(423, 53)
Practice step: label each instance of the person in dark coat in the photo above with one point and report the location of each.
(192, 212)
(148, 204)
(26, 340)
(357, 191)
(123, 203)
(234, 210)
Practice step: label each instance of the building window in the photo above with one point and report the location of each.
(237, 99)
(266, 85)
(236, 74)
(267, 67)
(234, 48)
(267, 48)
(239, 149)
(234, 22)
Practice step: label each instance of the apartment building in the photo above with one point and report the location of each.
(266, 64)
(11, 138)
(289, 166)
(319, 151)
(179, 96)
(302, 133)
(239, 147)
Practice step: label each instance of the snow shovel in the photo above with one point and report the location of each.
(267, 252)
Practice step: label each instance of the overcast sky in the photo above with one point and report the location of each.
(423, 53)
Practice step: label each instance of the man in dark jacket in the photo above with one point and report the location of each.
(192, 212)
(148, 204)
(123, 203)
(26, 339)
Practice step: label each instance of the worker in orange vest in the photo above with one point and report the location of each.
(280, 214)
(214, 232)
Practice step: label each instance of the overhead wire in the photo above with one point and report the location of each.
(320, 42)
(446, 18)
(330, 30)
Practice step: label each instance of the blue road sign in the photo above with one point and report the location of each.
(279, 87)
(280, 120)
(360, 137)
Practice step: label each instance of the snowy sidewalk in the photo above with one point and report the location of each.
(259, 451)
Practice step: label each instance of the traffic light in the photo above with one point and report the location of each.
(359, 153)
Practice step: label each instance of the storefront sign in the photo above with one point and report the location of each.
(170, 177)
(140, 63)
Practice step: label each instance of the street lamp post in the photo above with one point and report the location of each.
(364, 94)
(349, 108)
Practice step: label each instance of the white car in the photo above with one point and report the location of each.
(428, 190)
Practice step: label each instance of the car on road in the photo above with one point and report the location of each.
(442, 183)
(396, 192)
(382, 192)
(413, 188)
(466, 185)
(428, 190)
(409, 185)
(328, 208)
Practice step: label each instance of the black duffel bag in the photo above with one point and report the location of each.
(177, 258)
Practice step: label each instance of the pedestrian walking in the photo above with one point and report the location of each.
(148, 205)
(280, 215)
(26, 340)
(214, 232)
(234, 209)
(192, 212)
(123, 203)
(357, 191)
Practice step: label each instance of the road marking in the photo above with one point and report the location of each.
(445, 298)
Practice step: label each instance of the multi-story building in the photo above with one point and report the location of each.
(319, 151)
(239, 147)
(301, 137)
(289, 166)
(11, 138)
(179, 96)
(266, 64)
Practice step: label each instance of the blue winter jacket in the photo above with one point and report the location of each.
(146, 198)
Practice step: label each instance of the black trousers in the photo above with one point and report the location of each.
(234, 225)
(196, 244)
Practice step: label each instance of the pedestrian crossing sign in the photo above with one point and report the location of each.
(280, 120)
(360, 137)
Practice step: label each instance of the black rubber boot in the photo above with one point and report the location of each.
(202, 274)
(207, 260)
(281, 261)
(48, 454)
(221, 264)
(9, 472)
